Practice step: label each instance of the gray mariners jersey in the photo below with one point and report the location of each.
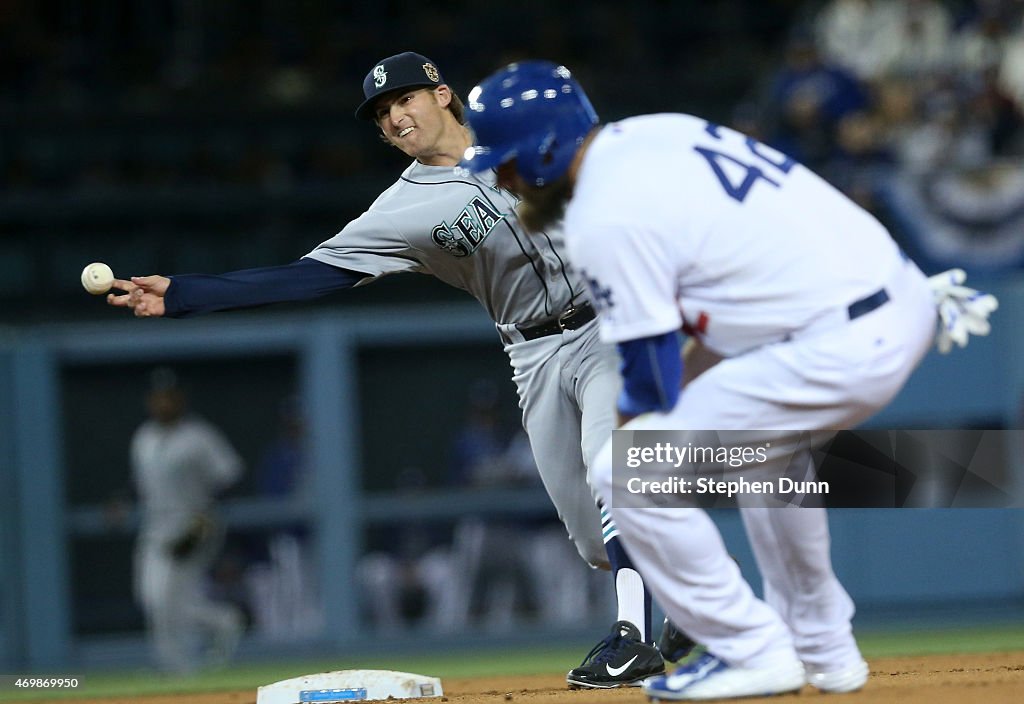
(463, 230)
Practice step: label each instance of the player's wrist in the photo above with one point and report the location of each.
(173, 305)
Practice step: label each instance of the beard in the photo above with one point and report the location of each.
(540, 208)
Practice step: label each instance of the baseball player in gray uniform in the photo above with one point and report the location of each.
(179, 464)
(465, 231)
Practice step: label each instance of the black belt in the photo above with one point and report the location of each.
(835, 318)
(867, 304)
(571, 319)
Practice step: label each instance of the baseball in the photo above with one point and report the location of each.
(97, 278)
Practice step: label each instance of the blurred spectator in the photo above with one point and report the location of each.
(885, 38)
(478, 450)
(978, 43)
(807, 101)
(491, 554)
(280, 581)
(180, 463)
(850, 33)
(919, 45)
(281, 470)
(411, 581)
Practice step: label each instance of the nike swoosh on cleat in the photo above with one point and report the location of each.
(616, 671)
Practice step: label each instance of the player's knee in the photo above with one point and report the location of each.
(594, 553)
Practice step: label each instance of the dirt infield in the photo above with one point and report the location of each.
(990, 678)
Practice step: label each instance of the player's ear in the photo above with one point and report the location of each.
(443, 94)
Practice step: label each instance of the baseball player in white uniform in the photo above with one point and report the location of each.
(817, 317)
(464, 231)
(180, 463)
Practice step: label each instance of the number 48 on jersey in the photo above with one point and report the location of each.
(739, 174)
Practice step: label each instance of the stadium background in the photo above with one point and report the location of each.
(181, 136)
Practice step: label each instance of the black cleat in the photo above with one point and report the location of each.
(620, 660)
(674, 645)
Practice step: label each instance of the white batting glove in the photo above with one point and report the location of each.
(963, 311)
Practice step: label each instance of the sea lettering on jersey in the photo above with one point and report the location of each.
(468, 230)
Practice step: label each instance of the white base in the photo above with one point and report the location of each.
(349, 685)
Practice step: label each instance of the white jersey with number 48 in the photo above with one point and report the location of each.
(676, 221)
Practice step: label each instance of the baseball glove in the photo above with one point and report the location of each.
(199, 529)
(963, 311)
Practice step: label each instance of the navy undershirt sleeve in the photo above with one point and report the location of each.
(652, 370)
(302, 280)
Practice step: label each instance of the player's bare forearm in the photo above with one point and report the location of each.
(144, 295)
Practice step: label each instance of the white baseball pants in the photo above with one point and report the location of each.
(830, 378)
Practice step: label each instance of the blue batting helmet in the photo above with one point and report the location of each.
(534, 112)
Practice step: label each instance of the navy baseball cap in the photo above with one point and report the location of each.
(405, 70)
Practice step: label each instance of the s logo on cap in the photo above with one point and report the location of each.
(380, 76)
(431, 72)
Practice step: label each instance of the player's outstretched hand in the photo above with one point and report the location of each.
(143, 294)
(963, 311)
